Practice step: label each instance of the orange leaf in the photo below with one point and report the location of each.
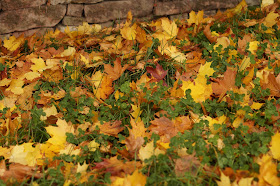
(111, 129)
(115, 72)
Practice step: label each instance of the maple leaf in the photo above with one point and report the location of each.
(148, 151)
(13, 43)
(225, 181)
(219, 120)
(157, 72)
(195, 19)
(111, 128)
(18, 171)
(116, 167)
(187, 164)
(268, 171)
(129, 32)
(275, 148)
(272, 83)
(207, 32)
(221, 86)
(115, 72)
(39, 65)
(270, 19)
(137, 178)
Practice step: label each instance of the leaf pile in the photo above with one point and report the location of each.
(163, 102)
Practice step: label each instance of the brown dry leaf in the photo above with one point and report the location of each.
(208, 34)
(115, 72)
(105, 88)
(133, 144)
(221, 86)
(52, 75)
(187, 164)
(18, 171)
(273, 85)
(111, 128)
(116, 167)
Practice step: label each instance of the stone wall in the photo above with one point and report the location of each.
(30, 16)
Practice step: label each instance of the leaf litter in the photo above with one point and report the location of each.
(145, 103)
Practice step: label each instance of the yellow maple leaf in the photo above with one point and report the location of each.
(206, 70)
(25, 154)
(224, 41)
(49, 112)
(253, 46)
(170, 28)
(13, 43)
(39, 65)
(243, 182)
(93, 145)
(225, 181)
(70, 150)
(195, 19)
(219, 120)
(148, 151)
(32, 75)
(136, 112)
(270, 19)
(268, 171)
(58, 134)
(82, 168)
(241, 6)
(275, 146)
(137, 178)
(87, 29)
(16, 86)
(200, 90)
(129, 32)
(70, 51)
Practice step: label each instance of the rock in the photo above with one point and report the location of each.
(179, 16)
(63, 27)
(214, 5)
(174, 7)
(73, 21)
(28, 18)
(55, 2)
(107, 11)
(75, 10)
(208, 13)
(86, 1)
(253, 2)
(114, 10)
(38, 31)
(17, 4)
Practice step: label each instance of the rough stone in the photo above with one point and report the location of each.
(179, 16)
(75, 10)
(28, 18)
(38, 31)
(63, 27)
(17, 4)
(214, 5)
(55, 2)
(253, 2)
(73, 21)
(209, 13)
(86, 1)
(112, 10)
(174, 7)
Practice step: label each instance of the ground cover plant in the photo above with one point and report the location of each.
(182, 102)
